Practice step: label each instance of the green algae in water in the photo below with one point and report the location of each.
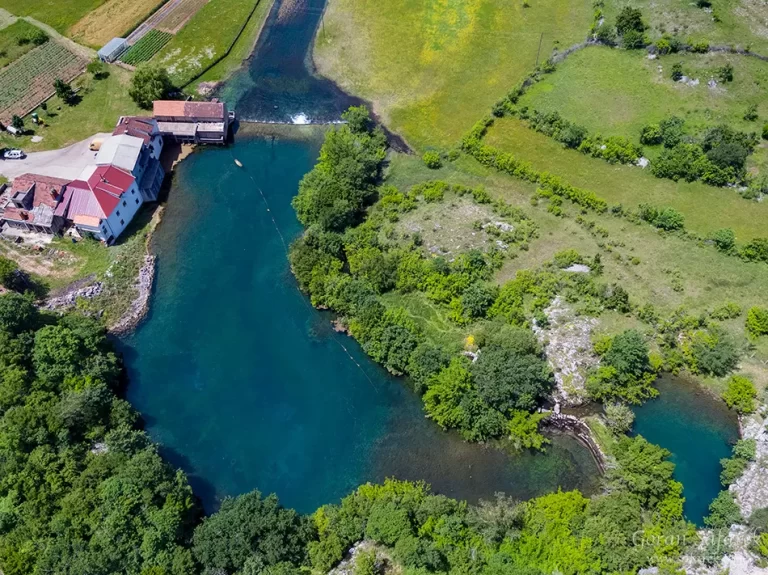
(699, 430)
(247, 387)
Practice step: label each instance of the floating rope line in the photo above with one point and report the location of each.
(334, 335)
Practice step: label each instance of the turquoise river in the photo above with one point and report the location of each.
(246, 386)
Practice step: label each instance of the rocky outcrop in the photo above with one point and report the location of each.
(751, 489)
(139, 306)
(69, 298)
(567, 342)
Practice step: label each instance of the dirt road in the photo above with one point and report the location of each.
(64, 163)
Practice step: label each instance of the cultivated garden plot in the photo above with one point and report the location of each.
(29, 80)
(144, 49)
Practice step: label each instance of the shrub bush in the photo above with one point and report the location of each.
(740, 394)
(757, 321)
(432, 160)
(725, 239)
(677, 71)
(756, 250)
(629, 20)
(651, 135)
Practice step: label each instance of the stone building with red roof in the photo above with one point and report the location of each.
(32, 203)
(102, 202)
(193, 122)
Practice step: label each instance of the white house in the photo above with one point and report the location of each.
(135, 146)
(103, 201)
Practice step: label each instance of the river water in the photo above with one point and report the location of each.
(241, 381)
(246, 386)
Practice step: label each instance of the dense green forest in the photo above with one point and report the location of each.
(83, 490)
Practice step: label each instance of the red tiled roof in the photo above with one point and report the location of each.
(47, 192)
(136, 126)
(175, 108)
(100, 195)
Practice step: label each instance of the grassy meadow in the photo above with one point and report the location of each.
(705, 208)
(661, 269)
(242, 48)
(208, 35)
(431, 69)
(741, 23)
(617, 92)
(10, 49)
(61, 14)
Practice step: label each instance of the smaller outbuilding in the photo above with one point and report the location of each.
(113, 49)
(193, 122)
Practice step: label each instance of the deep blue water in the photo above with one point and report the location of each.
(246, 386)
(698, 429)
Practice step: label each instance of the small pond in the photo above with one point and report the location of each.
(699, 430)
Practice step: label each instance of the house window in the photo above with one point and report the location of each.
(103, 230)
(124, 204)
(133, 190)
(137, 200)
(118, 213)
(122, 222)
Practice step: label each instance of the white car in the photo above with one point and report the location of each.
(14, 155)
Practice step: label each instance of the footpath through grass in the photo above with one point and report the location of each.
(431, 69)
(705, 208)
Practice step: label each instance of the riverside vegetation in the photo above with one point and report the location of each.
(84, 490)
(683, 100)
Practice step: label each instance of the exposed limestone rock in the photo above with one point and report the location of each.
(69, 299)
(140, 305)
(751, 489)
(347, 566)
(568, 346)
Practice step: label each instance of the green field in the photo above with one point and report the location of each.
(709, 278)
(706, 208)
(60, 14)
(103, 101)
(242, 48)
(740, 23)
(431, 69)
(206, 37)
(10, 49)
(617, 92)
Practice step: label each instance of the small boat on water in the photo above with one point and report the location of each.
(238, 163)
